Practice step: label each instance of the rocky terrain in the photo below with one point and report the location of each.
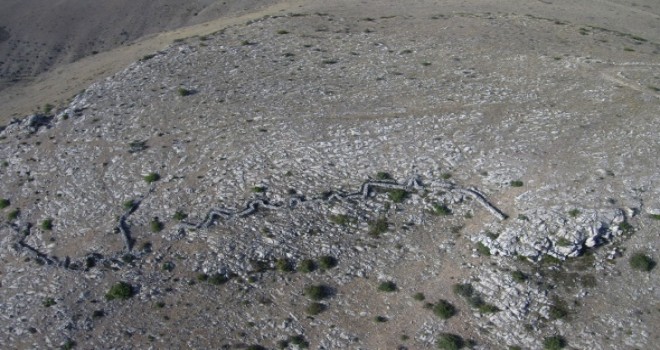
(334, 179)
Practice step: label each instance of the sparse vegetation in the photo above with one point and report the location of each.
(137, 146)
(380, 319)
(151, 177)
(654, 216)
(327, 262)
(378, 227)
(258, 189)
(68, 345)
(4, 203)
(642, 262)
(419, 296)
(299, 340)
(128, 205)
(168, 266)
(13, 215)
(315, 308)
(398, 195)
(441, 209)
(217, 279)
(444, 309)
(47, 224)
(156, 225)
(516, 183)
(120, 290)
(626, 228)
(340, 219)
(563, 242)
(574, 213)
(179, 215)
(316, 292)
(446, 176)
(387, 286)
(554, 343)
(482, 249)
(307, 265)
(283, 265)
(48, 302)
(183, 91)
(449, 341)
(519, 276)
(381, 175)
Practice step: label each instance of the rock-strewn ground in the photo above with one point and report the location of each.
(554, 123)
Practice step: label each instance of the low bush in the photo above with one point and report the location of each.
(441, 209)
(378, 227)
(387, 286)
(315, 308)
(47, 224)
(398, 195)
(516, 183)
(307, 265)
(554, 343)
(449, 341)
(327, 262)
(519, 276)
(640, 261)
(317, 292)
(4, 203)
(151, 177)
(444, 309)
(120, 290)
(284, 265)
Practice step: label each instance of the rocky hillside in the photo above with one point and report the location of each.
(322, 180)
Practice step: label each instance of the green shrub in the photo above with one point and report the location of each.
(381, 175)
(151, 177)
(68, 345)
(202, 277)
(98, 313)
(48, 302)
(516, 183)
(48, 108)
(554, 343)
(179, 215)
(4, 203)
(380, 319)
(446, 176)
(482, 249)
(307, 265)
(315, 308)
(652, 216)
(340, 219)
(258, 189)
(444, 309)
(463, 289)
(156, 225)
(626, 228)
(13, 215)
(218, 279)
(299, 340)
(327, 262)
(159, 304)
(282, 31)
(128, 205)
(563, 242)
(378, 227)
(47, 224)
(574, 213)
(316, 292)
(640, 261)
(448, 341)
(488, 309)
(519, 276)
(284, 265)
(441, 209)
(397, 195)
(168, 266)
(387, 286)
(183, 91)
(419, 296)
(121, 290)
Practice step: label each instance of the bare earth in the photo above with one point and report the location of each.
(501, 158)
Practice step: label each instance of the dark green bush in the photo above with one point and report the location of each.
(482, 249)
(380, 319)
(183, 91)
(640, 261)
(441, 209)
(519, 276)
(258, 189)
(387, 286)
(284, 265)
(327, 262)
(397, 195)
(120, 290)
(444, 309)
(554, 343)
(316, 292)
(315, 308)
(574, 213)
(128, 205)
(48, 302)
(47, 224)
(4, 203)
(463, 289)
(13, 215)
(179, 215)
(218, 279)
(378, 227)
(449, 341)
(307, 265)
(419, 296)
(156, 225)
(381, 175)
(516, 183)
(340, 219)
(151, 177)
